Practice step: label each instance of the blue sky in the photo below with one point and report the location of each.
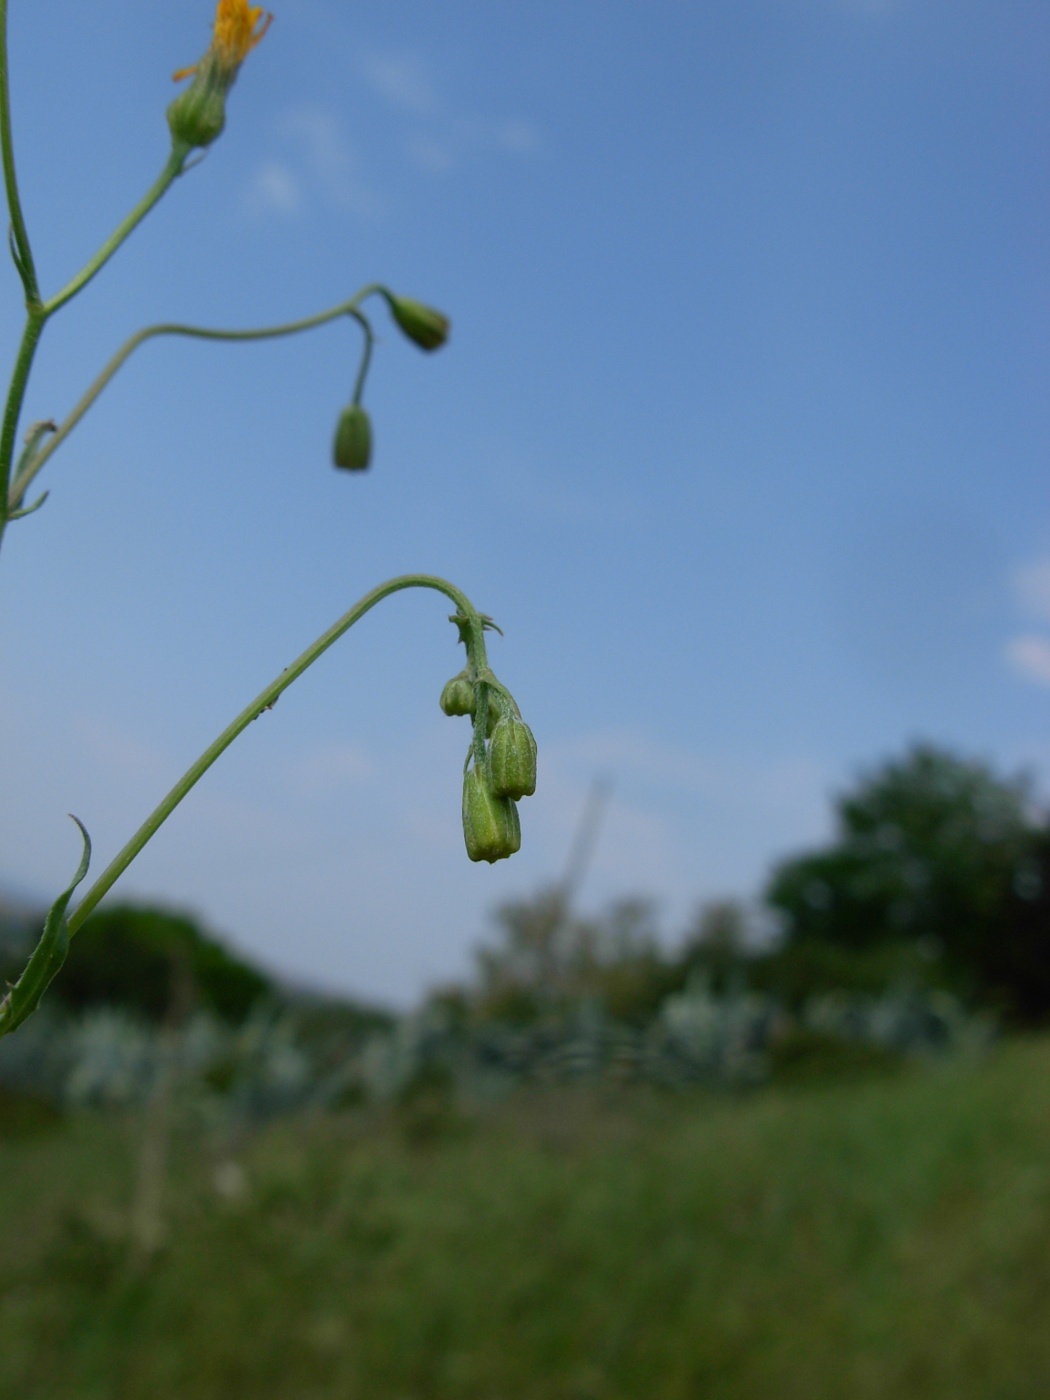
(741, 436)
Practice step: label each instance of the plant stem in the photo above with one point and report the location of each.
(13, 407)
(173, 168)
(366, 358)
(344, 308)
(24, 261)
(475, 643)
(37, 312)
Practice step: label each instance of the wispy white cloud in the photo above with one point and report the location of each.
(443, 137)
(1029, 656)
(320, 163)
(404, 80)
(330, 159)
(275, 189)
(434, 154)
(444, 144)
(519, 137)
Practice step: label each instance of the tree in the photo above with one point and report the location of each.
(547, 960)
(937, 853)
(136, 958)
(715, 945)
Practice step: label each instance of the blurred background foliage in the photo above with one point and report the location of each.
(920, 927)
(772, 1155)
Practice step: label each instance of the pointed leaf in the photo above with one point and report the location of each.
(47, 957)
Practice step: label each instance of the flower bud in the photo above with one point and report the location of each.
(423, 325)
(352, 447)
(490, 824)
(198, 115)
(513, 758)
(457, 698)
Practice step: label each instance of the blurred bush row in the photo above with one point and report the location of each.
(923, 924)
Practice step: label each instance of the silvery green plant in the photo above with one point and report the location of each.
(501, 760)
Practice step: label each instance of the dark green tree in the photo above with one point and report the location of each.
(937, 854)
(145, 959)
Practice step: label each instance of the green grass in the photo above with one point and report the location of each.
(886, 1237)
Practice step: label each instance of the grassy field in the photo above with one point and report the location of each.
(888, 1237)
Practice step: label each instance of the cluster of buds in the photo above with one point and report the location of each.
(501, 763)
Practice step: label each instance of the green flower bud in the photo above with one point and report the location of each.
(352, 447)
(457, 698)
(198, 115)
(423, 325)
(513, 758)
(491, 827)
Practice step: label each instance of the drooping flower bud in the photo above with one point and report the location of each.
(423, 325)
(352, 448)
(513, 758)
(198, 115)
(457, 698)
(491, 827)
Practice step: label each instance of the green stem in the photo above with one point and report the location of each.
(13, 407)
(38, 313)
(475, 642)
(344, 308)
(366, 358)
(24, 261)
(173, 168)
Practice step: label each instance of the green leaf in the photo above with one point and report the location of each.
(47, 957)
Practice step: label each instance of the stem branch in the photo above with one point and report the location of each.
(173, 168)
(344, 308)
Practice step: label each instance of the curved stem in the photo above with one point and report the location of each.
(173, 168)
(472, 625)
(129, 347)
(24, 260)
(366, 358)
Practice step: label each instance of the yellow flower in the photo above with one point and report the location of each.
(198, 115)
(237, 31)
(237, 28)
